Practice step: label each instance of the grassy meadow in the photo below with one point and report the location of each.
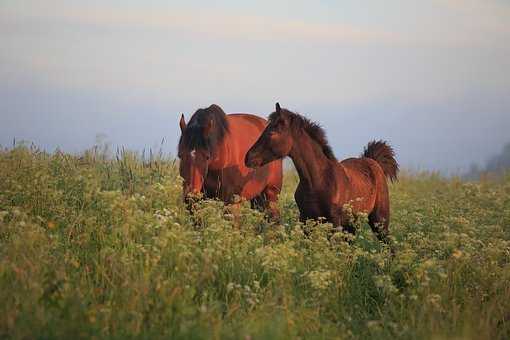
(102, 247)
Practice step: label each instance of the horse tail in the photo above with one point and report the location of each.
(381, 152)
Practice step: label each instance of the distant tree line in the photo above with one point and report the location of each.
(497, 165)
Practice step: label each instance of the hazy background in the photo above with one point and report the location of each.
(432, 77)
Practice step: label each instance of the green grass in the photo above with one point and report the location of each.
(93, 247)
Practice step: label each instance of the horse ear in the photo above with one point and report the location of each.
(182, 123)
(278, 108)
(208, 127)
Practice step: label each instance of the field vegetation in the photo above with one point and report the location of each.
(98, 246)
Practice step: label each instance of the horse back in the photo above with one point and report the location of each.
(247, 118)
(244, 130)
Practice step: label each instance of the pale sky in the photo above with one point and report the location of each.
(431, 77)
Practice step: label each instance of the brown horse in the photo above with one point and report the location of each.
(326, 185)
(211, 150)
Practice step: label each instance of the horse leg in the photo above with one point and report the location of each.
(267, 201)
(258, 203)
(235, 210)
(272, 190)
(270, 195)
(342, 223)
(348, 229)
(379, 221)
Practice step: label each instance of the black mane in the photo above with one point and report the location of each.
(193, 136)
(314, 130)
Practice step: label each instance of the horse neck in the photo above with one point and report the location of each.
(309, 160)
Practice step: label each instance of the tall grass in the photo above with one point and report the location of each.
(95, 246)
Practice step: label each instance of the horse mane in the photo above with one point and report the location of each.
(314, 130)
(193, 136)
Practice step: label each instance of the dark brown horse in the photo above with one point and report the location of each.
(326, 185)
(211, 150)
